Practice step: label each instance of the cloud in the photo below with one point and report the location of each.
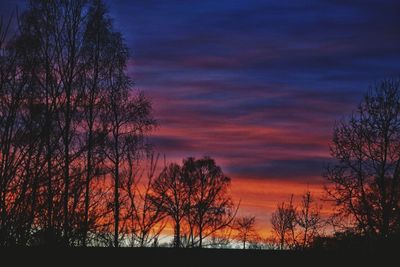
(291, 169)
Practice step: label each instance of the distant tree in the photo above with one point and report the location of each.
(270, 242)
(308, 221)
(296, 226)
(210, 207)
(259, 242)
(195, 196)
(245, 227)
(146, 219)
(283, 222)
(169, 193)
(364, 183)
(221, 239)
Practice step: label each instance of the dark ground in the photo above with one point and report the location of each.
(167, 257)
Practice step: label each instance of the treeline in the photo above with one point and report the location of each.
(362, 185)
(76, 167)
(70, 126)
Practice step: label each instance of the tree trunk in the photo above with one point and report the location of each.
(88, 178)
(66, 168)
(177, 234)
(116, 193)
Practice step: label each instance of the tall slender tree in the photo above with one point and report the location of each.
(126, 119)
(97, 36)
(68, 116)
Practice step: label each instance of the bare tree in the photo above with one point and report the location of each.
(68, 116)
(169, 193)
(196, 197)
(221, 239)
(283, 222)
(129, 118)
(245, 227)
(296, 226)
(308, 220)
(210, 207)
(37, 47)
(69, 35)
(98, 35)
(364, 183)
(146, 219)
(20, 146)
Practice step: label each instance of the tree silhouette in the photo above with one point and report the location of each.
(308, 220)
(98, 35)
(283, 222)
(146, 220)
(210, 208)
(69, 119)
(297, 226)
(364, 181)
(127, 119)
(19, 145)
(195, 197)
(245, 228)
(170, 194)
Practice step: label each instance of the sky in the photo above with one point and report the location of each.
(257, 85)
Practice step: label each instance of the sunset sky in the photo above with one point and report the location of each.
(257, 84)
